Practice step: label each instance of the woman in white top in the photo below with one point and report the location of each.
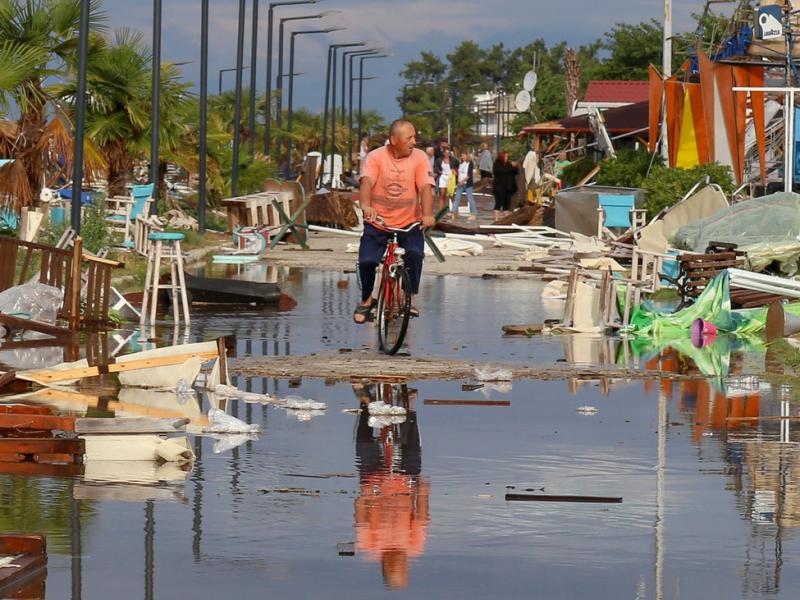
(444, 168)
(464, 184)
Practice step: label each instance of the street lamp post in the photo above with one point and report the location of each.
(350, 117)
(155, 112)
(237, 102)
(350, 96)
(268, 103)
(80, 108)
(251, 121)
(228, 70)
(201, 171)
(291, 88)
(333, 104)
(279, 79)
(361, 86)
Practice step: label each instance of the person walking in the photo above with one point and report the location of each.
(485, 166)
(504, 184)
(395, 186)
(464, 184)
(444, 169)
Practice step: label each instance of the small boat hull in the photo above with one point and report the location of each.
(231, 291)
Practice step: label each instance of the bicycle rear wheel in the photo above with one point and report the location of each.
(394, 310)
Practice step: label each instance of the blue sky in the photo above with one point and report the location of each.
(404, 28)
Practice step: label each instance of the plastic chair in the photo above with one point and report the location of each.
(127, 208)
(618, 212)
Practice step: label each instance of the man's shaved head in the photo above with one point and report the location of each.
(402, 137)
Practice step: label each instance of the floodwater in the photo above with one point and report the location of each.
(329, 506)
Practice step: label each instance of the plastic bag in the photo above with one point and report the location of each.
(381, 408)
(382, 421)
(223, 443)
(234, 393)
(489, 373)
(32, 301)
(221, 422)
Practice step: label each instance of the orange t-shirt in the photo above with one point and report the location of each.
(396, 184)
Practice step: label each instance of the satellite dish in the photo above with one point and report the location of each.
(523, 100)
(530, 81)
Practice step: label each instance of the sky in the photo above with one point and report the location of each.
(403, 28)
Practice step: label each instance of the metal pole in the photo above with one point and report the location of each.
(237, 109)
(251, 123)
(349, 111)
(452, 135)
(350, 118)
(289, 107)
(333, 118)
(666, 64)
(80, 117)
(325, 108)
(360, 94)
(268, 103)
(279, 89)
(497, 123)
(155, 114)
(201, 190)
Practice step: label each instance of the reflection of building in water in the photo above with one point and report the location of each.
(391, 511)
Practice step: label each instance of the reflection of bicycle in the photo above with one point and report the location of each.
(394, 295)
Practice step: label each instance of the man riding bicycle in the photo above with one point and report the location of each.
(395, 192)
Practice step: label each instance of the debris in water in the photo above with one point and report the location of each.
(220, 422)
(299, 403)
(587, 410)
(563, 498)
(381, 408)
(489, 373)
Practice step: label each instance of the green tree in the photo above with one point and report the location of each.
(45, 32)
(632, 48)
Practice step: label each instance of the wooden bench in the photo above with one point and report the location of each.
(24, 578)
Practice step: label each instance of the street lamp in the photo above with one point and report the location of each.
(333, 48)
(349, 55)
(80, 101)
(237, 103)
(267, 109)
(291, 87)
(280, 77)
(155, 112)
(228, 70)
(201, 171)
(350, 96)
(361, 85)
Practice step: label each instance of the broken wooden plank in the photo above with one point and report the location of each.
(563, 498)
(53, 375)
(128, 425)
(39, 446)
(19, 324)
(766, 418)
(529, 329)
(34, 421)
(31, 557)
(31, 469)
(468, 402)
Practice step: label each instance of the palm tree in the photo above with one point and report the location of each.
(44, 31)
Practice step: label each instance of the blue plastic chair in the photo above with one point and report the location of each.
(617, 212)
(138, 204)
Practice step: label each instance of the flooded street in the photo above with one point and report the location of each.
(334, 505)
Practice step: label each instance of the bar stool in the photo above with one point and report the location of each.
(172, 252)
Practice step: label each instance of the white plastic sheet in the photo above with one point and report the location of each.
(221, 422)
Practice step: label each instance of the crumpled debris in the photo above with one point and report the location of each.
(587, 410)
(489, 373)
(503, 387)
(234, 393)
(221, 422)
(381, 421)
(300, 403)
(184, 391)
(381, 408)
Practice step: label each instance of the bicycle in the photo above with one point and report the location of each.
(394, 295)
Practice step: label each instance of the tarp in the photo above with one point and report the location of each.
(700, 205)
(772, 219)
(576, 208)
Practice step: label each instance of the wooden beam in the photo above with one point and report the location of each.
(53, 375)
(38, 422)
(564, 498)
(96, 425)
(74, 447)
(31, 325)
(468, 402)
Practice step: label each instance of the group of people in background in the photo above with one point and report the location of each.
(454, 175)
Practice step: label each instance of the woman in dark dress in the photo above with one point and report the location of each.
(504, 184)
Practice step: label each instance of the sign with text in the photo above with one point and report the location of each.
(769, 19)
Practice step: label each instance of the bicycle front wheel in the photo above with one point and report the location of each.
(394, 310)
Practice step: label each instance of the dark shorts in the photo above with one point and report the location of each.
(485, 174)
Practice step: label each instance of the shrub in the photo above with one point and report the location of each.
(665, 186)
(628, 169)
(576, 171)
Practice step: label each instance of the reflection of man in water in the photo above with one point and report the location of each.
(391, 511)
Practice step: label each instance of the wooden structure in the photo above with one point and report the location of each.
(271, 208)
(61, 268)
(177, 286)
(24, 577)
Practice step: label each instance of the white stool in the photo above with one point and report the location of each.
(177, 285)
